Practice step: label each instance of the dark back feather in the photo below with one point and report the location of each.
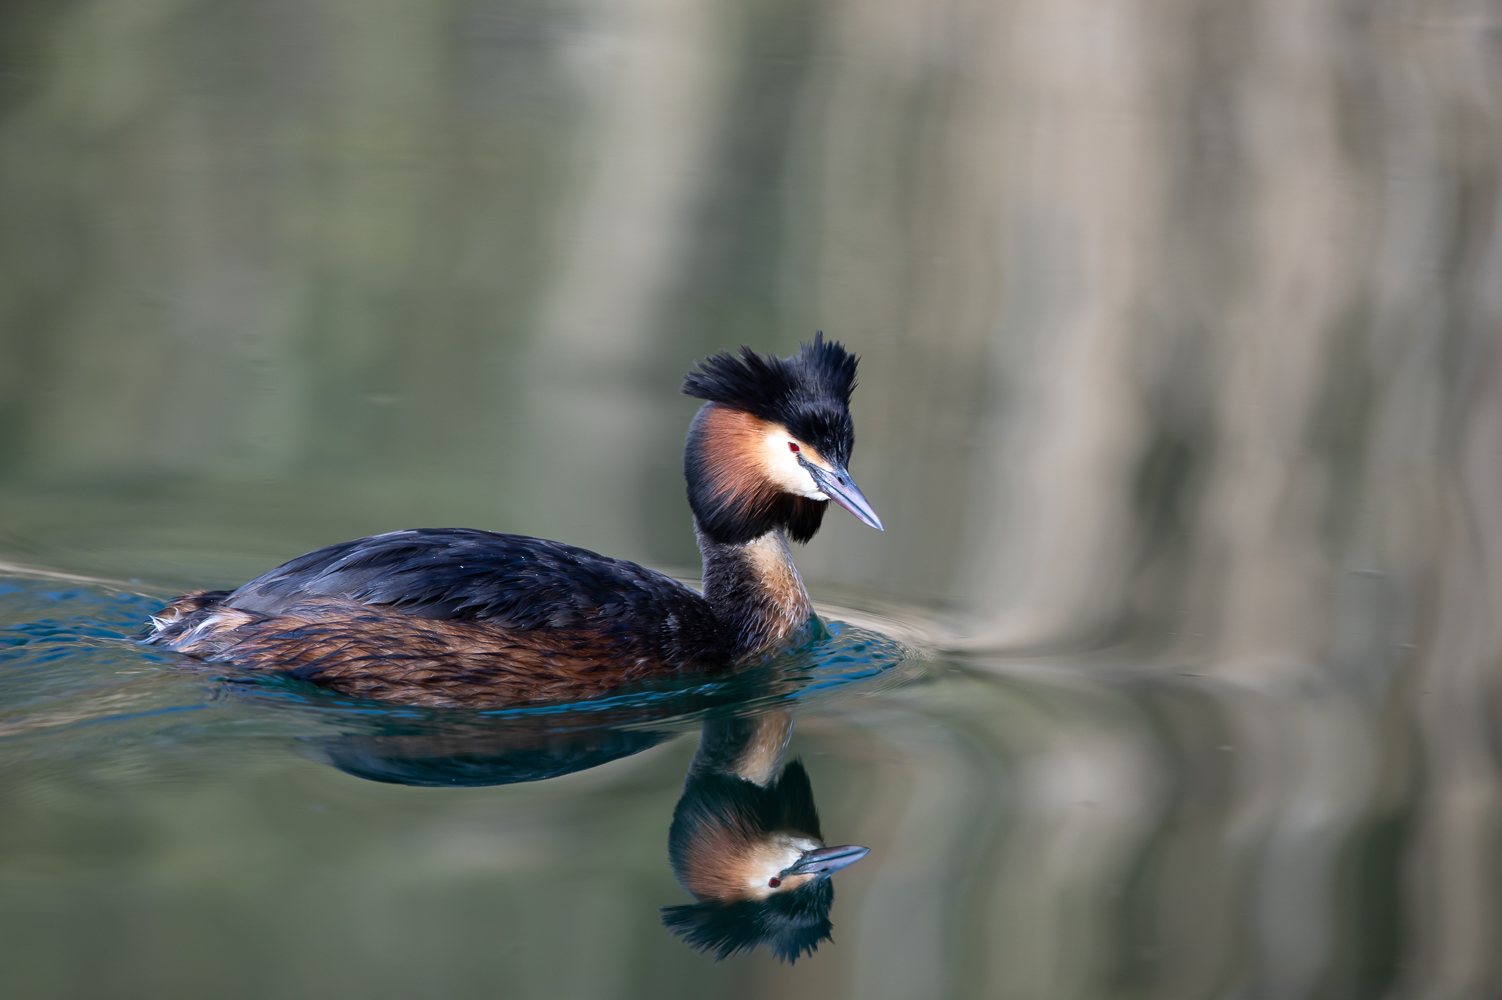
(507, 580)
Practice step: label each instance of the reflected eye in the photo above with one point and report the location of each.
(793, 448)
(774, 881)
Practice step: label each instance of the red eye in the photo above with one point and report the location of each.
(792, 448)
(773, 882)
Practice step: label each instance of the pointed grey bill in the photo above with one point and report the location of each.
(826, 860)
(843, 491)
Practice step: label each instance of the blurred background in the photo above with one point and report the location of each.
(1180, 398)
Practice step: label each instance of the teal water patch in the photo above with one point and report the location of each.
(53, 639)
(849, 654)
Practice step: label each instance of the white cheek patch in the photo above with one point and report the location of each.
(781, 465)
(772, 860)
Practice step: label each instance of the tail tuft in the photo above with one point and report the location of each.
(181, 615)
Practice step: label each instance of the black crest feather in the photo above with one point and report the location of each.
(790, 924)
(808, 393)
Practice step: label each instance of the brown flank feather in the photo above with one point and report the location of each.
(373, 652)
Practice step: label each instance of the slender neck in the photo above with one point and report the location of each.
(750, 748)
(755, 590)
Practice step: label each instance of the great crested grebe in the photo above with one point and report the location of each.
(457, 616)
(746, 843)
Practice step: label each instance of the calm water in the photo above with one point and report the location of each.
(125, 875)
(1175, 675)
(1044, 827)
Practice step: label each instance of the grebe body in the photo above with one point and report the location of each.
(456, 616)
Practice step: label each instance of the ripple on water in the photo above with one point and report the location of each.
(69, 670)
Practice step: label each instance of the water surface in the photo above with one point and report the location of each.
(1053, 826)
(1180, 399)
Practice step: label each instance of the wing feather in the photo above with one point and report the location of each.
(511, 581)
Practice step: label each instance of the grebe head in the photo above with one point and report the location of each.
(753, 858)
(770, 447)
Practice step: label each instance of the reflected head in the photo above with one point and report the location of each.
(753, 858)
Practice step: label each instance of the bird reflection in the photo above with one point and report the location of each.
(481, 755)
(745, 840)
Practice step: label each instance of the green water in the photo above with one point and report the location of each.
(1174, 674)
(1070, 827)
